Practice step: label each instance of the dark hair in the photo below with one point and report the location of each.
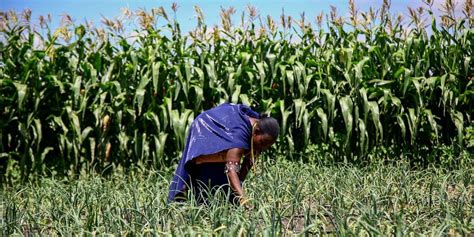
(268, 125)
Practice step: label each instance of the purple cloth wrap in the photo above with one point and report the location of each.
(221, 128)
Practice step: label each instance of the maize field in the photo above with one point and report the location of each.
(81, 97)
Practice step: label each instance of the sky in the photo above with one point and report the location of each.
(94, 10)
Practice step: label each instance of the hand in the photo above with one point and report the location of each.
(243, 201)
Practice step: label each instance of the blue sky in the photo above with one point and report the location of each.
(93, 10)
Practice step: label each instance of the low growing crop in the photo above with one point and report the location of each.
(286, 198)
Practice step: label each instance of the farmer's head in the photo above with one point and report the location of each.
(266, 133)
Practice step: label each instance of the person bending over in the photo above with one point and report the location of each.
(219, 152)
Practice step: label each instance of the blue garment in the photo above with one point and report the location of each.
(221, 128)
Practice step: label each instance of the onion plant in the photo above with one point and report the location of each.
(286, 198)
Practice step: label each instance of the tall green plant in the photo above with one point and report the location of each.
(83, 97)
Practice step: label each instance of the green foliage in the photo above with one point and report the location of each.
(81, 96)
(286, 198)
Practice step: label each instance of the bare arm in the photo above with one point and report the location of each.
(246, 166)
(233, 155)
